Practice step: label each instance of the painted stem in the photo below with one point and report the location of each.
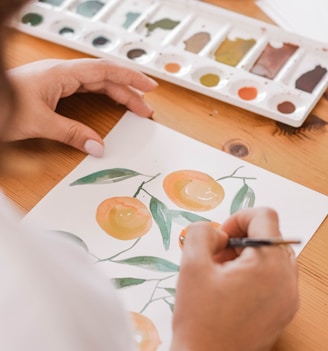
(143, 183)
(153, 293)
(154, 300)
(149, 194)
(121, 252)
(232, 175)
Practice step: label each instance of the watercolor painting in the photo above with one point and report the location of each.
(128, 209)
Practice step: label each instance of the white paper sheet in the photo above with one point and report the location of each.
(305, 17)
(149, 148)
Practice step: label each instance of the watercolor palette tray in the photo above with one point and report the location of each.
(227, 56)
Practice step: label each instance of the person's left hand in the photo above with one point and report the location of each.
(40, 85)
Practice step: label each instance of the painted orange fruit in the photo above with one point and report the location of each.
(124, 218)
(184, 232)
(146, 333)
(193, 190)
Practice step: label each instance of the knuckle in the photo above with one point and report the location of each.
(72, 134)
(269, 213)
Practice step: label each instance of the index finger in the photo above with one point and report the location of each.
(93, 71)
(259, 222)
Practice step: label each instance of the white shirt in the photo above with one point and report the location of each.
(52, 297)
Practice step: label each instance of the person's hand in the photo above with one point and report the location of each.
(229, 299)
(41, 84)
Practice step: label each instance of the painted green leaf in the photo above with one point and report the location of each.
(171, 291)
(244, 198)
(188, 216)
(125, 282)
(163, 218)
(151, 262)
(71, 237)
(106, 176)
(171, 305)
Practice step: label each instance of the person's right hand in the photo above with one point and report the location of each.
(229, 299)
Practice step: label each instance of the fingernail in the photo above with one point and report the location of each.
(93, 148)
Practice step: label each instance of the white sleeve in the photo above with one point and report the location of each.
(53, 298)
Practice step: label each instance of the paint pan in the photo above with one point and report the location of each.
(210, 77)
(126, 14)
(251, 90)
(67, 27)
(230, 57)
(235, 46)
(198, 37)
(89, 8)
(164, 23)
(102, 40)
(53, 2)
(273, 58)
(174, 64)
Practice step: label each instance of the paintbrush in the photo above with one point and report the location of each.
(254, 242)
(257, 242)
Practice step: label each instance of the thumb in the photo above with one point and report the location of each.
(202, 243)
(68, 131)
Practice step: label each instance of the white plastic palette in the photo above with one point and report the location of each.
(230, 57)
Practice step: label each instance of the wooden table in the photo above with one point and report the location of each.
(298, 154)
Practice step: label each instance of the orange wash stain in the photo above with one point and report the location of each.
(172, 67)
(247, 93)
